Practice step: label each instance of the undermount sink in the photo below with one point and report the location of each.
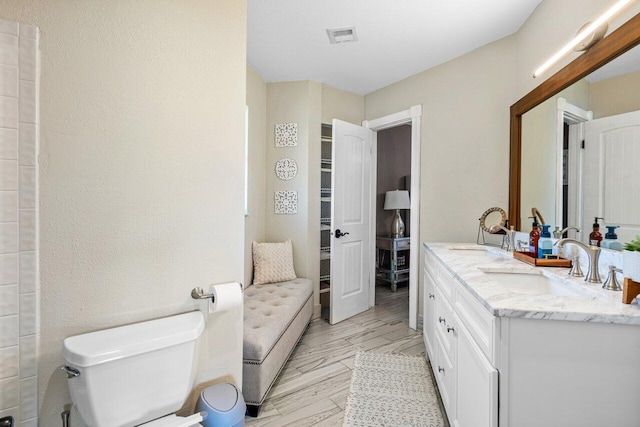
(471, 251)
(532, 283)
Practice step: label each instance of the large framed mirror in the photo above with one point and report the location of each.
(548, 121)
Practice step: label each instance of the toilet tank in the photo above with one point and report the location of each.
(135, 373)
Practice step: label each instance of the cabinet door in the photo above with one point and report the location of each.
(446, 377)
(429, 312)
(477, 384)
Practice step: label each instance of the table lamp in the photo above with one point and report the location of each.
(398, 199)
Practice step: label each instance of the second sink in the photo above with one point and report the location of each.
(531, 283)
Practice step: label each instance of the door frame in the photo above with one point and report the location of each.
(572, 115)
(413, 117)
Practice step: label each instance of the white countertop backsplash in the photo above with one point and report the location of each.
(597, 305)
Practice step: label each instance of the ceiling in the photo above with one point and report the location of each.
(287, 39)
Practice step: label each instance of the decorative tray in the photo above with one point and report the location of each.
(550, 261)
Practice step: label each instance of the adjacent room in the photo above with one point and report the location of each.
(302, 213)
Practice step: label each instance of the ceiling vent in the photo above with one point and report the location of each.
(342, 35)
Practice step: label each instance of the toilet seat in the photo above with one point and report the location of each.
(175, 421)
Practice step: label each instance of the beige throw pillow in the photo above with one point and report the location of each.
(272, 262)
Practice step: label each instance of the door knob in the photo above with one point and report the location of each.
(339, 233)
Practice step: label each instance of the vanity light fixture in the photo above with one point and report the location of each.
(582, 35)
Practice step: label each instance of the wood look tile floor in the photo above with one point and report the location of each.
(313, 386)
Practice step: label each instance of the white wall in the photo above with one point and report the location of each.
(142, 136)
(19, 129)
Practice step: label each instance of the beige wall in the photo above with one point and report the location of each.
(254, 224)
(142, 135)
(345, 106)
(309, 104)
(614, 96)
(551, 25)
(296, 102)
(464, 136)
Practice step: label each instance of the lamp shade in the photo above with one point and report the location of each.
(398, 199)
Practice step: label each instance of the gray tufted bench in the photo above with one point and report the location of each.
(275, 317)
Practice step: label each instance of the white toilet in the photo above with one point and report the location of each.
(135, 374)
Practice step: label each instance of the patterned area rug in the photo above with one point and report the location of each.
(391, 390)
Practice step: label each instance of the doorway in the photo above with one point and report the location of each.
(393, 184)
(411, 117)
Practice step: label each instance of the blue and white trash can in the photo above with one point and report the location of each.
(223, 404)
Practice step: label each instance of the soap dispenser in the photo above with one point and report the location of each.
(611, 239)
(595, 237)
(534, 236)
(545, 245)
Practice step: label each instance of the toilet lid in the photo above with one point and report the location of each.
(171, 421)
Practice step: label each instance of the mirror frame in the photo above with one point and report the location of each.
(615, 44)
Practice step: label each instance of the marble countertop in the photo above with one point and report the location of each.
(473, 264)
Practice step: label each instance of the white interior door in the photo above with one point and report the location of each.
(351, 241)
(611, 186)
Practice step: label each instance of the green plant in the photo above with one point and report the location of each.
(633, 245)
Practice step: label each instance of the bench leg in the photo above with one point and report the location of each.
(253, 410)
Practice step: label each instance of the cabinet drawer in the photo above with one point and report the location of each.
(431, 265)
(479, 322)
(445, 323)
(447, 284)
(403, 244)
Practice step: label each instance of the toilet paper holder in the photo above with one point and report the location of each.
(198, 293)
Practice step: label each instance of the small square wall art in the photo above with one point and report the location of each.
(286, 202)
(286, 135)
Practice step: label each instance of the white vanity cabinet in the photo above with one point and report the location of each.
(516, 360)
(467, 380)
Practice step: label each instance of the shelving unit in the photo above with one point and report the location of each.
(325, 214)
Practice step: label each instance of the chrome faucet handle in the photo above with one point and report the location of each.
(511, 235)
(558, 233)
(612, 284)
(575, 271)
(593, 276)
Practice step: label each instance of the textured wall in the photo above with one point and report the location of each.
(142, 140)
(19, 76)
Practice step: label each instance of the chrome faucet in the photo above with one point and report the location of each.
(558, 234)
(511, 235)
(593, 276)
